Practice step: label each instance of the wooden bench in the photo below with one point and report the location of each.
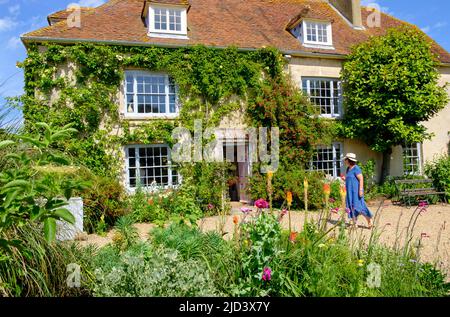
(411, 188)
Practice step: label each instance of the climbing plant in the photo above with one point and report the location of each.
(80, 84)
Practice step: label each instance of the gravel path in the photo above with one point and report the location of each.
(391, 222)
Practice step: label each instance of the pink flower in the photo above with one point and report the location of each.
(267, 274)
(261, 204)
(246, 210)
(423, 204)
(210, 207)
(335, 210)
(332, 200)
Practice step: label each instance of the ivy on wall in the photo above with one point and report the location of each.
(212, 83)
(207, 78)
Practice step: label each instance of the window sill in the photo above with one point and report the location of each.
(150, 117)
(320, 46)
(169, 35)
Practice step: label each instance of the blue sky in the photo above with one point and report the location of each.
(21, 16)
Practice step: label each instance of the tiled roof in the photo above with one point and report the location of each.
(246, 24)
(64, 14)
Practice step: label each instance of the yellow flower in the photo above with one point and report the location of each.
(305, 183)
(360, 262)
(269, 175)
(289, 198)
(321, 246)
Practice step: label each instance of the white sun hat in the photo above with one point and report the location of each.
(351, 157)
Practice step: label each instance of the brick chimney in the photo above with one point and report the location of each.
(351, 9)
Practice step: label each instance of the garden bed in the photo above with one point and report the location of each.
(432, 229)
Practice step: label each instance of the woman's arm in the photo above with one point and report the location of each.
(361, 184)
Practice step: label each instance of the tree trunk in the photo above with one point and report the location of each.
(386, 166)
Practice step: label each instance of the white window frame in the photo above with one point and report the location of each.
(337, 172)
(135, 113)
(137, 167)
(304, 33)
(332, 81)
(407, 149)
(167, 32)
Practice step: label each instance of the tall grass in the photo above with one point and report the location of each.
(40, 269)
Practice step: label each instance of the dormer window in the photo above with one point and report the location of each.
(167, 21)
(312, 33)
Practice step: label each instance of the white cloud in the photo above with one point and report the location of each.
(436, 26)
(90, 3)
(426, 29)
(7, 24)
(14, 10)
(13, 43)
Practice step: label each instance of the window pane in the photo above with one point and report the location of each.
(412, 164)
(325, 94)
(153, 166)
(327, 159)
(155, 94)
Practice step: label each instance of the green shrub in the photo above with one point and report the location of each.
(207, 181)
(291, 179)
(221, 257)
(104, 203)
(403, 276)
(126, 234)
(143, 271)
(162, 206)
(150, 207)
(439, 171)
(36, 183)
(261, 248)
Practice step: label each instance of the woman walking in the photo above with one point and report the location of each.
(354, 183)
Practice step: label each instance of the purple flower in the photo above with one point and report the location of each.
(246, 210)
(261, 204)
(267, 274)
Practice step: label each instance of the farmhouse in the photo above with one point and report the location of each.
(314, 36)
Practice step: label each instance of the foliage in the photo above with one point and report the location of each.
(262, 246)
(279, 103)
(160, 206)
(37, 185)
(126, 234)
(103, 202)
(143, 271)
(222, 259)
(290, 178)
(207, 80)
(390, 88)
(368, 171)
(207, 183)
(40, 270)
(439, 171)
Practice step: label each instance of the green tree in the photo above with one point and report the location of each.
(390, 88)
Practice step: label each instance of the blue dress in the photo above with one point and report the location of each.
(355, 205)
